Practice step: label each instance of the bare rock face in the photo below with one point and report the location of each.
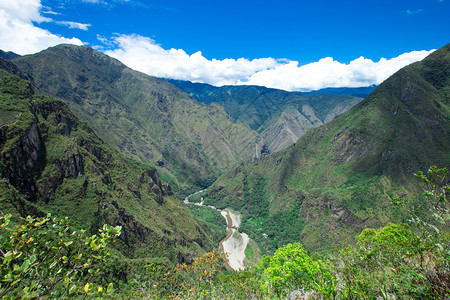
(287, 129)
(350, 146)
(151, 180)
(24, 161)
(132, 230)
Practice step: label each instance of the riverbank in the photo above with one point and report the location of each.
(235, 242)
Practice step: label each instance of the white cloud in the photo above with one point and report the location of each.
(328, 72)
(143, 54)
(74, 25)
(19, 34)
(413, 12)
(23, 10)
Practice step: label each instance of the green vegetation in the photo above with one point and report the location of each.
(47, 257)
(362, 92)
(280, 117)
(396, 261)
(212, 221)
(145, 118)
(341, 177)
(53, 163)
(346, 185)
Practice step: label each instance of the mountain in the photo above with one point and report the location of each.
(8, 54)
(342, 176)
(12, 68)
(51, 162)
(280, 117)
(145, 118)
(362, 92)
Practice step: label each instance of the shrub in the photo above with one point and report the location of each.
(48, 257)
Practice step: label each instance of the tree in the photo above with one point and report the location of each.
(291, 267)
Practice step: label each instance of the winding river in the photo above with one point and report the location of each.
(235, 242)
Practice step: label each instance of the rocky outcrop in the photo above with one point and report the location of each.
(150, 180)
(349, 146)
(25, 162)
(62, 118)
(289, 126)
(132, 231)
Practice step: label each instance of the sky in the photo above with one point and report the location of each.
(286, 44)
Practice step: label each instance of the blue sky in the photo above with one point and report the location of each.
(294, 45)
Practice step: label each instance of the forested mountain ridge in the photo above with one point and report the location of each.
(280, 117)
(342, 177)
(53, 163)
(144, 117)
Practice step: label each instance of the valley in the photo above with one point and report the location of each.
(296, 189)
(234, 243)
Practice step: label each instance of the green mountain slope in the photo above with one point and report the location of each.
(341, 177)
(281, 117)
(145, 118)
(53, 163)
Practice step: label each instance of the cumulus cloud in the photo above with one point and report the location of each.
(23, 10)
(143, 54)
(328, 72)
(74, 25)
(18, 32)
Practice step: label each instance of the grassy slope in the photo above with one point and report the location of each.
(145, 118)
(340, 177)
(52, 162)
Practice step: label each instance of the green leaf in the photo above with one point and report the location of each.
(67, 244)
(94, 246)
(109, 288)
(7, 245)
(8, 258)
(53, 264)
(26, 264)
(16, 281)
(72, 289)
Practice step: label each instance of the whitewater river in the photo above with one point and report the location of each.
(235, 242)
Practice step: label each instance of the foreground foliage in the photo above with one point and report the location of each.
(47, 257)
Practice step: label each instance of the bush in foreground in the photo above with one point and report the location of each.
(47, 257)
